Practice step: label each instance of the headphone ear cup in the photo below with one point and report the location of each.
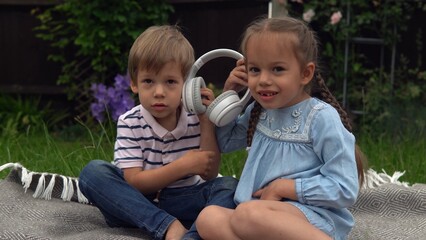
(224, 108)
(197, 84)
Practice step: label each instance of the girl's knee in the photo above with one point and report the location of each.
(207, 215)
(246, 216)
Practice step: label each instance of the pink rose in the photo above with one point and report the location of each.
(335, 18)
(308, 15)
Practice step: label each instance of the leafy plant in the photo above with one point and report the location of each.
(385, 104)
(92, 38)
(19, 113)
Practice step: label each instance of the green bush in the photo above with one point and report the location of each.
(384, 102)
(92, 38)
(18, 114)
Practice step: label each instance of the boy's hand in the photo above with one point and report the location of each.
(207, 97)
(237, 79)
(199, 162)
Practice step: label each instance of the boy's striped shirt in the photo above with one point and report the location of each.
(142, 142)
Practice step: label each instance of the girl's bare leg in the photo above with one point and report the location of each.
(263, 219)
(214, 222)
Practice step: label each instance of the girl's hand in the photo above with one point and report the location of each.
(277, 190)
(237, 79)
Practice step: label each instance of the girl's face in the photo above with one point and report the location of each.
(275, 77)
(160, 93)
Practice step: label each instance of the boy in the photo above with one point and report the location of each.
(165, 162)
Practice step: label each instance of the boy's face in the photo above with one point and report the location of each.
(160, 93)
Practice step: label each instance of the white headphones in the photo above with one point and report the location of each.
(227, 106)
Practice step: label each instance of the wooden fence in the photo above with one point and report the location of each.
(208, 25)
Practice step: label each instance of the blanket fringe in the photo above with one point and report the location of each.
(374, 179)
(43, 191)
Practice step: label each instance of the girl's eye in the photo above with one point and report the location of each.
(254, 70)
(278, 69)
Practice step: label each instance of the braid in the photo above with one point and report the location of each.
(321, 91)
(254, 118)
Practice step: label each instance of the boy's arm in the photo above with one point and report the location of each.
(208, 136)
(194, 162)
(208, 142)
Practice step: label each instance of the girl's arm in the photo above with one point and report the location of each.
(337, 184)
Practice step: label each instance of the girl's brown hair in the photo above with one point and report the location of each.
(306, 50)
(158, 45)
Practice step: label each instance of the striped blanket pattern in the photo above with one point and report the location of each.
(50, 206)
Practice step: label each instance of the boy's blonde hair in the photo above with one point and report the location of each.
(158, 45)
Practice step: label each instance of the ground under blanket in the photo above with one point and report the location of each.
(384, 210)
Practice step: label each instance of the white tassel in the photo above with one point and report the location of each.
(26, 179)
(64, 188)
(374, 179)
(69, 191)
(9, 165)
(81, 197)
(47, 194)
(40, 186)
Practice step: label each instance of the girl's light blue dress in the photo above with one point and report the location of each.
(306, 142)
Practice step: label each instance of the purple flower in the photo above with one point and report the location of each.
(97, 110)
(115, 100)
(122, 82)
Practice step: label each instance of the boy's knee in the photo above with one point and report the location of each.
(93, 169)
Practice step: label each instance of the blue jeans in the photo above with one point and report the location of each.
(124, 206)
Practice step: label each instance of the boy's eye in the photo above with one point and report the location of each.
(171, 81)
(147, 81)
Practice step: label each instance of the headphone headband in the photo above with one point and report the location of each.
(226, 106)
(221, 52)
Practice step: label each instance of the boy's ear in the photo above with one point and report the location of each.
(134, 87)
(308, 73)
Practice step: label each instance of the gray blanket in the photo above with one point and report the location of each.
(388, 211)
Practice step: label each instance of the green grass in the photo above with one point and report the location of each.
(65, 154)
(68, 151)
(405, 153)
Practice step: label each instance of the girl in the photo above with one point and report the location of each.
(301, 172)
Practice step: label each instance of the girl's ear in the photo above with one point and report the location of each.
(308, 73)
(134, 86)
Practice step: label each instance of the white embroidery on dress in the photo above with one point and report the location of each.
(297, 121)
(289, 133)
